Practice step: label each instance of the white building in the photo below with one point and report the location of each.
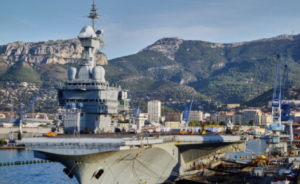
(195, 116)
(266, 119)
(236, 118)
(222, 116)
(252, 114)
(140, 120)
(6, 125)
(154, 111)
(295, 117)
(231, 106)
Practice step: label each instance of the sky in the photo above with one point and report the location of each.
(131, 25)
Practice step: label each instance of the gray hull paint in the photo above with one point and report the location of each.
(157, 163)
(153, 165)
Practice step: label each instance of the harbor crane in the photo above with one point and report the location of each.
(285, 102)
(276, 127)
(132, 105)
(285, 97)
(23, 114)
(187, 112)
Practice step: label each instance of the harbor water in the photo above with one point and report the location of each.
(45, 173)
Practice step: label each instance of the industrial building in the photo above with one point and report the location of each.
(173, 116)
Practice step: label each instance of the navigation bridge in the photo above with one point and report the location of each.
(152, 159)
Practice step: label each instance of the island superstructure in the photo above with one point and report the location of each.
(90, 104)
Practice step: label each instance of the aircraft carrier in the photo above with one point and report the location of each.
(90, 104)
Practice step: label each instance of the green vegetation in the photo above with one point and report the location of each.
(208, 123)
(219, 74)
(194, 123)
(227, 74)
(22, 72)
(239, 123)
(223, 123)
(3, 67)
(19, 136)
(52, 74)
(251, 122)
(3, 142)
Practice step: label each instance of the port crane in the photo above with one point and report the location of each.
(132, 105)
(285, 102)
(285, 97)
(276, 127)
(187, 112)
(23, 114)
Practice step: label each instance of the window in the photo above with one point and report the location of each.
(99, 173)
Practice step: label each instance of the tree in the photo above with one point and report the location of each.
(215, 123)
(3, 142)
(194, 123)
(293, 105)
(238, 123)
(19, 135)
(251, 122)
(223, 123)
(208, 122)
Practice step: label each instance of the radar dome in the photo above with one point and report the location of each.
(84, 73)
(72, 106)
(87, 32)
(80, 105)
(98, 73)
(71, 73)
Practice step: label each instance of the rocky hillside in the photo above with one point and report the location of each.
(171, 69)
(60, 51)
(230, 73)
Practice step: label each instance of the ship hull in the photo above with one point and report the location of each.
(141, 165)
(139, 159)
(152, 164)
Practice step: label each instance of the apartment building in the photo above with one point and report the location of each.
(154, 111)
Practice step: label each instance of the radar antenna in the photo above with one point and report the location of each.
(93, 15)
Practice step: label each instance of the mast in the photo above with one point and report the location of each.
(93, 15)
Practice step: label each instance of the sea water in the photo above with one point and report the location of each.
(39, 173)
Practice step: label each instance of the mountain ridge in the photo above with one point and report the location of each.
(170, 69)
